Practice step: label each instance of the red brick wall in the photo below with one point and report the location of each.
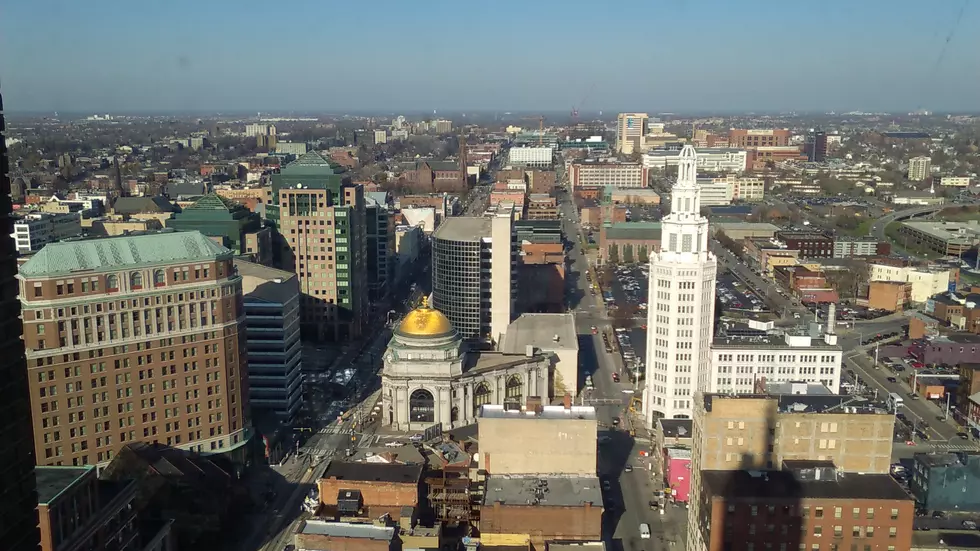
(373, 493)
(542, 523)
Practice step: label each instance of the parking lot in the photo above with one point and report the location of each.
(629, 291)
(735, 296)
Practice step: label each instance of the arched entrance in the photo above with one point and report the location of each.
(513, 393)
(421, 407)
(481, 397)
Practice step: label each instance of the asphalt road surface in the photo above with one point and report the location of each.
(627, 502)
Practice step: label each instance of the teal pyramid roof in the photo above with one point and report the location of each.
(213, 201)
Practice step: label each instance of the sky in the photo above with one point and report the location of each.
(532, 55)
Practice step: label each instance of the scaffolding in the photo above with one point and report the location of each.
(451, 497)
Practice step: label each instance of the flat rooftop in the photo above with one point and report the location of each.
(555, 491)
(809, 403)
(377, 472)
(463, 228)
(947, 231)
(780, 486)
(52, 481)
(795, 342)
(348, 530)
(542, 331)
(491, 411)
(677, 428)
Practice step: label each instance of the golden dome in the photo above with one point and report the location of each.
(425, 322)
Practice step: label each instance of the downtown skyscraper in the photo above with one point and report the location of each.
(681, 303)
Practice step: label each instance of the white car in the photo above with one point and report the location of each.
(394, 444)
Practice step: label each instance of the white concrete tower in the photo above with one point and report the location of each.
(681, 306)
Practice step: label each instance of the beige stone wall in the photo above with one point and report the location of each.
(538, 446)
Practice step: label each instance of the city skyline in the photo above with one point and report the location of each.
(874, 56)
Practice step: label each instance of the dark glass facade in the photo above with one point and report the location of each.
(18, 492)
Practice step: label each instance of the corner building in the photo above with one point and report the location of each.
(681, 303)
(135, 339)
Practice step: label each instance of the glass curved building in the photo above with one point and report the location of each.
(474, 261)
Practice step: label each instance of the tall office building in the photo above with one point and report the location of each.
(18, 494)
(275, 370)
(919, 168)
(630, 129)
(816, 146)
(474, 269)
(320, 215)
(681, 302)
(380, 248)
(136, 338)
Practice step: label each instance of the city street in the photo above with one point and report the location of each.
(626, 503)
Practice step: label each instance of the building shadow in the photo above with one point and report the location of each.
(588, 358)
(757, 507)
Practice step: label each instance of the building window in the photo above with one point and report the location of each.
(421, 407)
(136, 280)
(513, 392)
(481, 397)
(159, 278)
(112, 283)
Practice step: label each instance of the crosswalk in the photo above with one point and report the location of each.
(953, 447)
(604, 401)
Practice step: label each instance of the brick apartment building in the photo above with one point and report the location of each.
(78, 511)
(806, 505)
(135, 338)
(891, 296)
(435, 176)
(541, 207)
(761, 432)
(811, 244)
(748, 139)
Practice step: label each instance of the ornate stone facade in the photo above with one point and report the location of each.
(429, 377)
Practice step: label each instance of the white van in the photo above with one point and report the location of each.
(644, 531)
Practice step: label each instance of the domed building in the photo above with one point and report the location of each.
(431, 377)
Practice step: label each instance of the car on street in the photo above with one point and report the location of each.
(628, 468)
(615, 377)
(595, 330)
(963, 435)
(892, 380)
(394, 444)
(416, 437)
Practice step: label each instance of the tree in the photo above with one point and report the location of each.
(847, 222)
(613, 254)
(643, 254)
(628, 253)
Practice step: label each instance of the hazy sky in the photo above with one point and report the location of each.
(653, 55)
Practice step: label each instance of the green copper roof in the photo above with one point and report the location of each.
(310, 163)
(213, 201)
(128, 251)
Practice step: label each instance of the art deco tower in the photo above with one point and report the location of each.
(18, 495)
(681, 303)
